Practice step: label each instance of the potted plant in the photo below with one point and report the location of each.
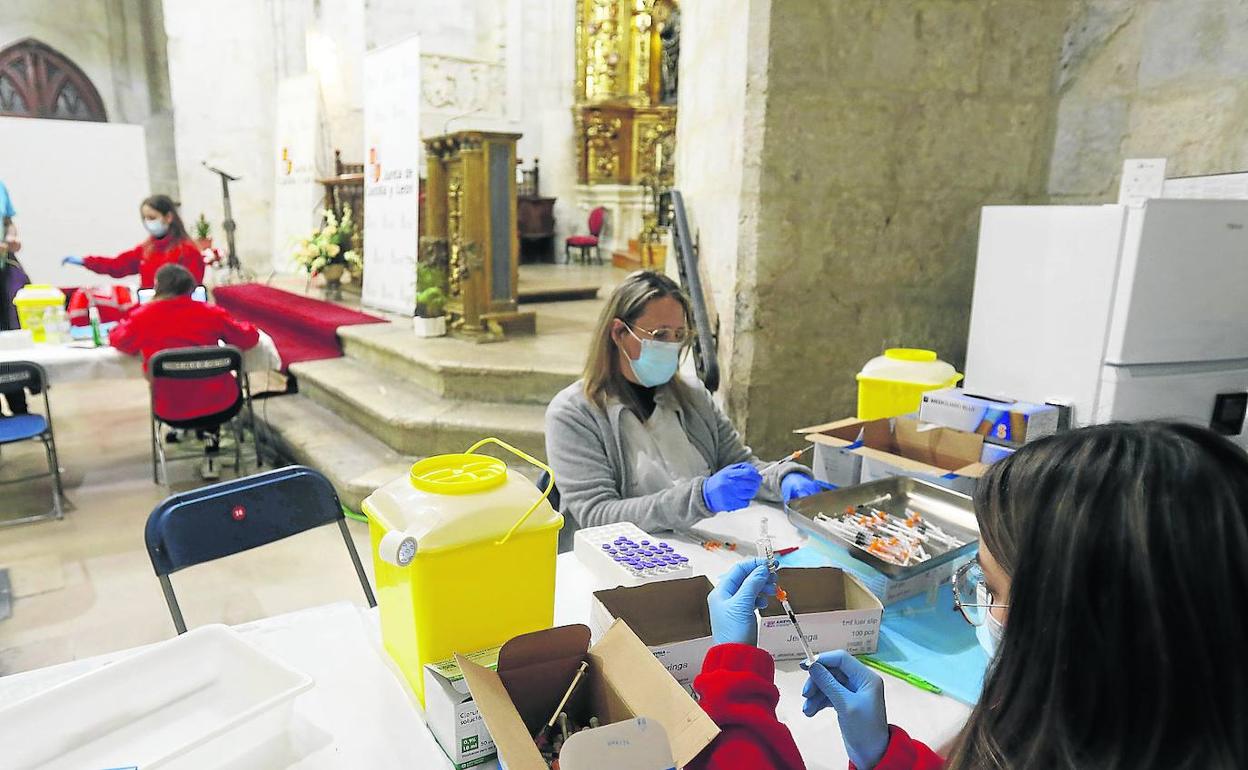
(327, 251)
(430, 320)
(203, 233)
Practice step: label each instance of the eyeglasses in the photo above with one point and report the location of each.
(969, 581)
(664, 334)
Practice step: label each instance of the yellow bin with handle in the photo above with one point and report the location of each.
(32, 302)
(464, 551)
(894, 383)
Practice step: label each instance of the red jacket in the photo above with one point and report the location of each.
(182, 322)
(905, 753)
(148, 257)
(737, 690)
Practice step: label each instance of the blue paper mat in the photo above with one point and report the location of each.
(931, 641)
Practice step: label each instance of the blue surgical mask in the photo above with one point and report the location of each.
(157, 227)
(657, 363)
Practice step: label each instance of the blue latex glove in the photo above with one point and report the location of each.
(72, 261)
(732, 602)
(795, 485)
(856, 692)
(731, 488)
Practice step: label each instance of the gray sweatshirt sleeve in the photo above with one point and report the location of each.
(731, 449)
(588, 488)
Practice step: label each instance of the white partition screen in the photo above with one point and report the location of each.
(76, 187)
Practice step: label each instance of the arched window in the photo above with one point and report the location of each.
(38, 82)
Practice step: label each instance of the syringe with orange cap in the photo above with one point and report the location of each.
(766, 550)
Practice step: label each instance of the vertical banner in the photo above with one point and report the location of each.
(301, 159)
(391, 175)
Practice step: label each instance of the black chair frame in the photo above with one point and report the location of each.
(220, 520)
(34, 379)
(197, 363)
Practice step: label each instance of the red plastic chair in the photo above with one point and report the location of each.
(583, 243)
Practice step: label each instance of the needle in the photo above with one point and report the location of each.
(810, 655)
(790, 457)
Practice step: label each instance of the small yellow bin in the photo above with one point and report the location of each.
(894, 383)
(32, 302)
(464, 552)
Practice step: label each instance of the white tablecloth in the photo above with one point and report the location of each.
(361, 714)
(81, 363)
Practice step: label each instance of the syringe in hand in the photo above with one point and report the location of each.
(766, 550)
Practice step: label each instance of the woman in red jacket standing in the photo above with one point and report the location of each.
(1110, 590)
(168, 244)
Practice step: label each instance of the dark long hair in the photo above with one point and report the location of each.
(1127, 548)
(628, 303)
(166, 205)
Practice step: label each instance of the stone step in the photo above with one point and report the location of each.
(520, 369)
(307, 433)
(411, 420)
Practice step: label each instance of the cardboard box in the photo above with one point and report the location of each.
(891, 590)
(897, 446)
(451, 714)
(624, 681)
(835, 609)
(834, 459)
(1016, 422)
(671, 618)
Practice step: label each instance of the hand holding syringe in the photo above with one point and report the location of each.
(767, 552)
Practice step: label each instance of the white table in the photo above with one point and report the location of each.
(78, 362)
(361, 714)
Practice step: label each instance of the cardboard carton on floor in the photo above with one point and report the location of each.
(897, 446)
(1016, 422)
(451, 714)
(835, 610)
(623, 681)
(671, 617)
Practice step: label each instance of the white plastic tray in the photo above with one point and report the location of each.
(204, 699)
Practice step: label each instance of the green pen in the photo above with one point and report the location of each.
(904, 676)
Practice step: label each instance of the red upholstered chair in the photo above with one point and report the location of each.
(583, 243)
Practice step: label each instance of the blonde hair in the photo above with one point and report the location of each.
(628, 302)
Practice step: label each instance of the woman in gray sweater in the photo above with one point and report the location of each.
(633, 441)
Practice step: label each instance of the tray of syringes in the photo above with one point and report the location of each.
(900, 526)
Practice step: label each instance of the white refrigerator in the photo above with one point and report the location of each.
(1120, 313)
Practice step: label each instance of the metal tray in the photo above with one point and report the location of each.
(952, 511)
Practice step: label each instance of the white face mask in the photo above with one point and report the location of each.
(990, 633)
(157, 227)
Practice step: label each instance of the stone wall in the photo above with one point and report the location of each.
(120, 45)
(887, 126)
(1150, 78)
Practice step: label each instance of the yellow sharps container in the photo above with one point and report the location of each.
(464, 552)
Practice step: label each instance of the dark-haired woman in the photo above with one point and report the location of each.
(168, 243)
(1111, 590)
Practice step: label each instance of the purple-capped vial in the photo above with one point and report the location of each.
(645, 542)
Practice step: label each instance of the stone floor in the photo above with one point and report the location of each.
(84, 585)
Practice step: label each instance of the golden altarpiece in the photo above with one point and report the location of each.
(625, 117)
(470, 218)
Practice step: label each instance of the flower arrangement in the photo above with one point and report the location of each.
(329, 245)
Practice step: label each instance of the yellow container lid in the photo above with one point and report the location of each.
(38, 294)
(909, 365)
(459, 474)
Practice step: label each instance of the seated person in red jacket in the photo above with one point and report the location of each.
(1117, 553)
(174, 320)
(167, 244)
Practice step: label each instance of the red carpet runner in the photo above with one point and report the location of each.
(302, 328)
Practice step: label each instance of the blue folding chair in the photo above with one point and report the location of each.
(32, 427)
(235, 516)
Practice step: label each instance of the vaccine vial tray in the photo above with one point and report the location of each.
(624, 555)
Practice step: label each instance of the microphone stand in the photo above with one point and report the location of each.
(235, 267)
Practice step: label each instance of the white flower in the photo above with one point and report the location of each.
(333, 250)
